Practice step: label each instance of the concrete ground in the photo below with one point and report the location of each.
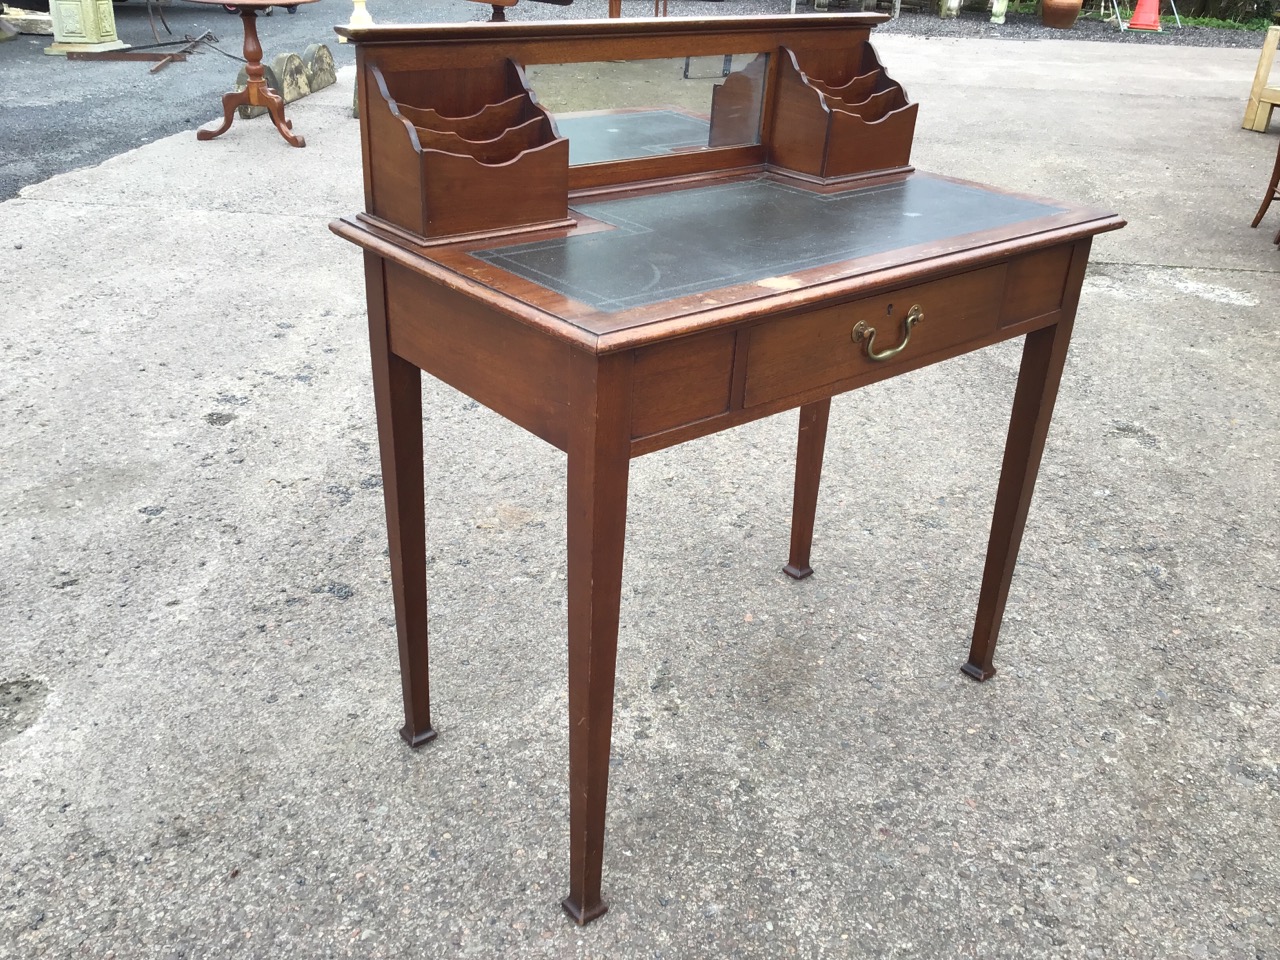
(196, 631)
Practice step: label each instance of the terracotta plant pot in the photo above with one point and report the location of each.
(1059, 13)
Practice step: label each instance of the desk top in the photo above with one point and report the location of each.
(668, 245)
(646, 265)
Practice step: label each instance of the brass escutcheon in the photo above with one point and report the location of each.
(864, 332)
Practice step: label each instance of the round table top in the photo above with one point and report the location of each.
(254, 4)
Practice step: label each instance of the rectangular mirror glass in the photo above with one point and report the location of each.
(645, 108)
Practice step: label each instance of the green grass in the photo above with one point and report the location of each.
(1257, 23)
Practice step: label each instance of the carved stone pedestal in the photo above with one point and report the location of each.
(83, 26)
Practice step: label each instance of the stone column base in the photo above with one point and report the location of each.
(58, 49)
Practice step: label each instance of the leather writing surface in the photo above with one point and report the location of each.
(682, 242)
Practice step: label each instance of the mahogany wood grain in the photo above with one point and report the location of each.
(626, 173)
(446, 186)
(877, 106)
(681, 382)
(496, 360)
(483, 124)
(870, 108)
(1036, 284)
(465, 195)
(394, 167)
(599, 457)
(454, 92)
(363, 101)
(397, 396)
(638, 37)
(738, 414)
(838, 66)
(1273, 191)
(798, 139)
(824, 136)
(859, 88)
(875, 137)
(792, 354)
(503, 148)
(804, 506)
(1043, 356)
(467, 68)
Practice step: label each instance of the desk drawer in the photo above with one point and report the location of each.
(797, 353)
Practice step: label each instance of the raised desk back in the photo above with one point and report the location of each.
(448, 112)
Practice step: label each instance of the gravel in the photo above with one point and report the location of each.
(970, 24)
(1026, 26)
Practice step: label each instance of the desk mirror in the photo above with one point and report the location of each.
(645, 108)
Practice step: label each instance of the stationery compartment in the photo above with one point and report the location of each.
(464, 151)
(839, 115)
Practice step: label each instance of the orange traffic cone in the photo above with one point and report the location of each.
(1146, 15)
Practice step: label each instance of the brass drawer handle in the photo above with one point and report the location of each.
(864, 332)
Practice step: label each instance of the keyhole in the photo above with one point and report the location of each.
(888, 312)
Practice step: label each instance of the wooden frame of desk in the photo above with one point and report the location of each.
(607, 384)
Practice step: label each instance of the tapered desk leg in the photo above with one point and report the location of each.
(599, 463)
(1043, 355)
(397, 393)
(804, 506)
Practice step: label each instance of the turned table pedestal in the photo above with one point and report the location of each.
(257, 93)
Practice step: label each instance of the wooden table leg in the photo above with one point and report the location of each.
(1272, 189)
(1043, 355)
(599, 464)
(230, 101)
(397, 395)
(256, 92)
(809, 448)
(275, 110)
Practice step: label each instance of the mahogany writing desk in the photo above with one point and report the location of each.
(621, 307)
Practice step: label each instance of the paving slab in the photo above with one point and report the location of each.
(198, 754)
